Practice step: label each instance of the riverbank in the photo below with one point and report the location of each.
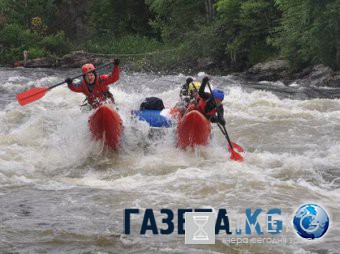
(161, 62)
(315, 76)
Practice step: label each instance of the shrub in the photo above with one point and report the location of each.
(56, 44)
(34, 52)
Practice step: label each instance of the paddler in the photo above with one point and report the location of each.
(210, 106)
(185, 88)
(95, 87)
(188, 95)
(189, 90)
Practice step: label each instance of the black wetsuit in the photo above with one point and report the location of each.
(184, 90)
(211, 105)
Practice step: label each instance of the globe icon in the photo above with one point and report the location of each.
(311, 221)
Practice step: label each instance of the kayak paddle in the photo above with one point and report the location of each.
(234, 155)
(235, 146)
(36, 93)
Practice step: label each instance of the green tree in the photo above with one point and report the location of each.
(246, 26)
(22, 11)
(309, 32)
(74, 18)
(176, 18)
(121, 17)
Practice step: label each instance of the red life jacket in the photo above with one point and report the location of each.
(200, 106)
(97, 97)
(100, 92)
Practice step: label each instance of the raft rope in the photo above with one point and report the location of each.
(117, 55)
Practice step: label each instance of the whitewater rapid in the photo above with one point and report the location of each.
(61, 191)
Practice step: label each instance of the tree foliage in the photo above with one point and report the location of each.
(121, 17)
(22, 11)
(309, 32)
(247, 25)
(176, 18)
(237, 33)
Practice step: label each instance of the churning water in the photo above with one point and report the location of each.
(60, 191)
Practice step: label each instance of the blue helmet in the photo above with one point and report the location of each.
(218, 94)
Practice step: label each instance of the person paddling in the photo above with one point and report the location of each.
(189, 90)
(95, 87)
(209, 106)
(185, 88)
(188, 95)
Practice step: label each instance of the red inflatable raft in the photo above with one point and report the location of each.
(106, 124)
(193, 129)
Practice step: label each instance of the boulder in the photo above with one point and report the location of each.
(334, 81)
(44, 62)
(270, 71)
(78, 58)
(73, 60)
(321, 75)
(318, 75)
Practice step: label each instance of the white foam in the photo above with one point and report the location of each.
(292, 150)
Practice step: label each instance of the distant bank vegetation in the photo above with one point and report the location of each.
(233, 34)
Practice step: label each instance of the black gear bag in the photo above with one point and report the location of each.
(152, 103)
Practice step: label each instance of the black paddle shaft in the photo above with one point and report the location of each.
(100, 67)
(225, 133)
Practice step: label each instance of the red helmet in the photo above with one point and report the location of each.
(87, 68)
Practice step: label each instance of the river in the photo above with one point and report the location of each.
(62, 192)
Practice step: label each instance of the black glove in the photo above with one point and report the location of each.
(222, 121)
(68, 81)
(214, 119)
(116, 61)
(205, 80)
